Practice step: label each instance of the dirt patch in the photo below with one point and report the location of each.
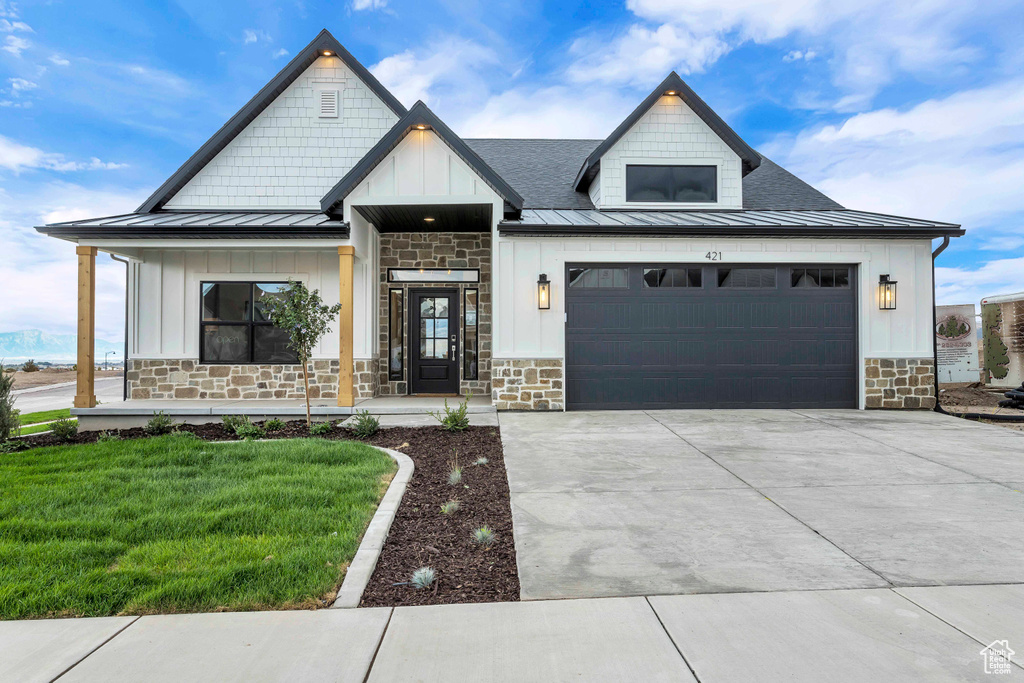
(42, 378)
(968, 396)
(420, 534)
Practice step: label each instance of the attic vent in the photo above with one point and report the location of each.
(328, 104)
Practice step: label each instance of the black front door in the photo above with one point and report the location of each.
(434, 341)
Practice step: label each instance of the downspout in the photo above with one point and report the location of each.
(994, 417)
(124, 375)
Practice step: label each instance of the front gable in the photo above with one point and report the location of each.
(309, 126)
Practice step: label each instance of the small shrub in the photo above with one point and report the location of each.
(107, 437)
(160, 423)
(12, 446)
(454, 470)
(451, 507)
(30, 366)
(8, 413)
(274, 425)
(481, 461)
(453, 419)
(423, 577)
(233, 422)
(250, 430)
(64, 429)
(366, 425)
(483, 536)
(321, 428)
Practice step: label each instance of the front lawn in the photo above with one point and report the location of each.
(176, 524)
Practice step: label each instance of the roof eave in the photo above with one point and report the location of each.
(195, 232)
(510, 229)
(323, 41)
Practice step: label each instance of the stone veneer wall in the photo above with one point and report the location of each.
(899, 383)
(438, 250)
(191, 379)
(527, 384)
(364, 377)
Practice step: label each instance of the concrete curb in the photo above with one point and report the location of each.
(45, 387)
(365, 561)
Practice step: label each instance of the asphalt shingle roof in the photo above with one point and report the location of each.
(543, 171)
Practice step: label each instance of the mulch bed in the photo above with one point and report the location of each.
(420, 535)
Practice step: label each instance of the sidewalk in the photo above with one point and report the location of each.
(927, 634)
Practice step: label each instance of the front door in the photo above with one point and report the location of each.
(434, 341)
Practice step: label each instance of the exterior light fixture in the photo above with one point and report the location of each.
(428, 219)
(421, 127)
(886, 293)
(543, 293)
(327, 53)
(671, 92)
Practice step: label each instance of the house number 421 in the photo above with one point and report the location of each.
(713, 256)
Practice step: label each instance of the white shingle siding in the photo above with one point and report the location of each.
(289, 157)
(668, 132)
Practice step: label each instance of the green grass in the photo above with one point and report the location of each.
(176, 524)
(44, 416)
(35, 429)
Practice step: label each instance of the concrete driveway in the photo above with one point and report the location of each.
(668, 502)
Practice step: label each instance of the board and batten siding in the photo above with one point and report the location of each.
(164, 294)
(668, 133)
(288, 156)
(522, 331)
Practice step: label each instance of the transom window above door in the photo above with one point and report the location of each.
(433, 275)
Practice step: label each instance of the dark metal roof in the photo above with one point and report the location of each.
(419, 115)
(238, 122)
(672, 83)
(735, 223)
(204, 225)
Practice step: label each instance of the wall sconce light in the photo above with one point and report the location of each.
(543, 293)
(886, 293)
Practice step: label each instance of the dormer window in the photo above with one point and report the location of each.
(673, 184)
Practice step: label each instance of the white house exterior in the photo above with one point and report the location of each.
(680, 268)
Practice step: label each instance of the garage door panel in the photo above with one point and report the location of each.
(754, 346)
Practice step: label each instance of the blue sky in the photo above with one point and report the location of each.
(915, 108)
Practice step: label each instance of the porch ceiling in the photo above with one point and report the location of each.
(412, 217)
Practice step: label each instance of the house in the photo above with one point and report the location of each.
(668, 265)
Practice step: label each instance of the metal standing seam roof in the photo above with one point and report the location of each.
(204, 224)
(230, 130)
(745, 222)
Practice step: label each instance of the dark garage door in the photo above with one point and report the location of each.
(702, 336)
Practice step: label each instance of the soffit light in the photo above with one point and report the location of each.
(327, 53)
(428, 219)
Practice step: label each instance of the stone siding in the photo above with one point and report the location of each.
(899, 383)
(191, 379)
(364, 378)
(527, 384)
(437, 250)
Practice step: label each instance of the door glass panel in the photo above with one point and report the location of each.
(434, 328)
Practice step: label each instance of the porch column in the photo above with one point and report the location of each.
(346, 393)
(85, 392)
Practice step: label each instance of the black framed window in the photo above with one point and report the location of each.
(470, 336)
(396, 350)
(681, 184)
(747, 278)
(599, 278)
(234, 328)
(820, 277)
(672, 277)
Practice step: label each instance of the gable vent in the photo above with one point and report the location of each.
(328, 104)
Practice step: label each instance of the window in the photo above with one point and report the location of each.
(599, 278)
(470, 347)
(433, 275)
(672, 277)
(396, 316)
(749, 278)
(683, 184)
(820, 277)
(434, 328)
(234, 328)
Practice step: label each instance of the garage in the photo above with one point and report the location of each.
(710, 336)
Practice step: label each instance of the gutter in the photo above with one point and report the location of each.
(994, 417)
(724, 231)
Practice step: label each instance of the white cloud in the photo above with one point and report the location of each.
(957, 158)
(359, 5)
(20, 85)
(281, 52)
(251, 35)
(17, 157)
(58, 60)
(553, 112)
(449, 72)
(12, 26)
(800, 55)
(971, 285)
(15, 45)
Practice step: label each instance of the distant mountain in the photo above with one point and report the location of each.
(40, 346)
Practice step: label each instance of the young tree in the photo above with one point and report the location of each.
(306, 318)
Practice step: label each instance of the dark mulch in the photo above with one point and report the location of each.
(420, 535)
(423, 537)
